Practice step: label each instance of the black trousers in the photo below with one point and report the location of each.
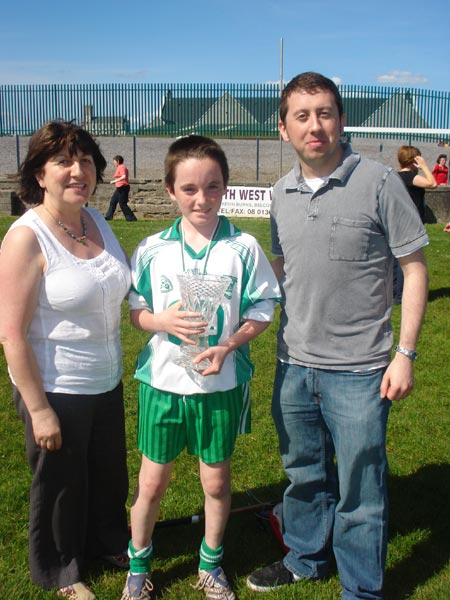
(78, 493)
(120, 197)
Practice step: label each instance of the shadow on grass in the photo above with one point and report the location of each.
(439, 293)
(418, 503)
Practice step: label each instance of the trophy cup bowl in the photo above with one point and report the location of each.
(201, 294)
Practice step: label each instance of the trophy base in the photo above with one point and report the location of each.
(188, 354)
(186, 362)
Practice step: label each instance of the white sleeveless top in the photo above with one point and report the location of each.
(75, 331)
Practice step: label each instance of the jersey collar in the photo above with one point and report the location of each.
(226, 229)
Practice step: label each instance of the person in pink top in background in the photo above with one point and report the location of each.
(121, 192)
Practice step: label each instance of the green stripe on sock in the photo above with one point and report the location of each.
(209, 558)
(140, 560)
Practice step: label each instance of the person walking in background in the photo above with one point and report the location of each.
(121, 192)
(440, 170)
(411, 161)
(178, 406)
(64, 277)
(336, 220)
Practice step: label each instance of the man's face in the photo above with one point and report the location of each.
(313, 127)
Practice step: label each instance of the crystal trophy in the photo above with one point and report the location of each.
(201, 294)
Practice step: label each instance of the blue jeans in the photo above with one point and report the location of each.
(328, 506)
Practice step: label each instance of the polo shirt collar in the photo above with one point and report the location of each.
(295, 179)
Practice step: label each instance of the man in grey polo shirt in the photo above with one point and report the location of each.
(336, 220)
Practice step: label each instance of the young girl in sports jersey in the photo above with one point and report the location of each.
(180, 407)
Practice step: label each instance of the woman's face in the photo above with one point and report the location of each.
(442, 161)
(68, 179)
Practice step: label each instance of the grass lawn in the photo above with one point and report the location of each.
(418, 445)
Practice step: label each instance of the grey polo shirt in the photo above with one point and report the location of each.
(337, 245)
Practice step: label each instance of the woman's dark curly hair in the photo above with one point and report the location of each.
(53, 138)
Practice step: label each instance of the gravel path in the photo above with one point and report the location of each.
(242, 156)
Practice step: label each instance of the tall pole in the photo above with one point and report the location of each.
(281, 89)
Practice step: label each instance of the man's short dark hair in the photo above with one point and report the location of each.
(311, 83)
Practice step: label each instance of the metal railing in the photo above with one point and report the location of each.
(218, 110)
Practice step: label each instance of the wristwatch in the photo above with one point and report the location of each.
(412, 354)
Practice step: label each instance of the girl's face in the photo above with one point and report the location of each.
(68, 179)
(442, 161)
(198, 190)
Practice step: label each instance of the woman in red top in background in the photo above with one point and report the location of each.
(122, 190)
(440, 171)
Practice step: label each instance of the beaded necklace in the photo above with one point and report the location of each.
(81, 239)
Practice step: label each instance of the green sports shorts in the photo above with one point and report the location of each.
(207, 425)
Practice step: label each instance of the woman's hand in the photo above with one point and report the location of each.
(46, 429)
(420, 162)
(426, 180)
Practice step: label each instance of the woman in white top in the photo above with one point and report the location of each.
(64, 276)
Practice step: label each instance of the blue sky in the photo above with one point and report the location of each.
(382, 42)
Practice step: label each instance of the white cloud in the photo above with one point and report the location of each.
(402, 77)
(337, 80)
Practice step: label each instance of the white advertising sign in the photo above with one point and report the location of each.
(245, 201)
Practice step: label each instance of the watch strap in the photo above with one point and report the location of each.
(412, 354)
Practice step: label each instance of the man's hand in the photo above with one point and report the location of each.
(398, 381)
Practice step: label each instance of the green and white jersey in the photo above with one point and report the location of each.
(252, 293)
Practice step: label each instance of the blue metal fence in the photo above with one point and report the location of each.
(219, 110)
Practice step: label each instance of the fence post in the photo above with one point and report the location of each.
(257, 159)
(17, 152)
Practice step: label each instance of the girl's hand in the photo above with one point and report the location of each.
(181, 323)
(216, 355)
